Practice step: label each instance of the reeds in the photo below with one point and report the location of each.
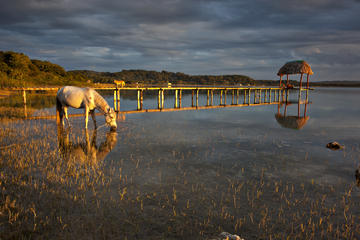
(143, 190)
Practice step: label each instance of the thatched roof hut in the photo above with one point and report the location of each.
(295, 67)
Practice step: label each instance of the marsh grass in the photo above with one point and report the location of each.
(137, 193)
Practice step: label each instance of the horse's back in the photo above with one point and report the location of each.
(74, 96)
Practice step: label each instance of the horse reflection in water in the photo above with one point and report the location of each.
(85, 152)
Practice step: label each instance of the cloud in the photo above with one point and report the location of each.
(197, 37)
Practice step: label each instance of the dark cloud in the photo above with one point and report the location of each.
(197, 37)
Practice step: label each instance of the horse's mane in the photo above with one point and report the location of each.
(100, 103)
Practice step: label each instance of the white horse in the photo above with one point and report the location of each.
(86, 98)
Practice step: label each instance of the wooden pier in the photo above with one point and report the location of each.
(226, 97)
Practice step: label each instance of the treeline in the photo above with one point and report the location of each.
(18, 70)
(154, 77)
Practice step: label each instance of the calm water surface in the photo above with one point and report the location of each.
(215, 150)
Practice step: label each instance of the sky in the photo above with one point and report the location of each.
(200, 37)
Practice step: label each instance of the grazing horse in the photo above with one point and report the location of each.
(86, 98)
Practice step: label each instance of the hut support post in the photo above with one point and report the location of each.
(287, 79)
(159, 99)
(307, 80)
(225, 96)
(244, 97)
(180, 95)
(301, 77)
(280, 81)
(249, 96)
(212, 98)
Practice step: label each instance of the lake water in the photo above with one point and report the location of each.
(194, 174)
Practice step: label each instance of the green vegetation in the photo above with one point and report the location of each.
(18, 70)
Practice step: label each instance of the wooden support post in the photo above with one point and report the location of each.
(176, 99)
(159, 99)
(208, 98)
(260, 96)
(162, 98)
(225, 91)
(307, 80)
(221, 96)
(244, 97)
(180, 95)
(233, 97)
(141, 99)
(138, 100)
(287, 79)
(269, 95)
(212, 97)
(25, 107)
(237, 96)
(249, 97)
(197, 97)
(255, 96)
(280, 81)
(287, 95)
(118, 100)
(115, 109)
(192, 98)
(24, 97)
(265, 96)
(301, 77)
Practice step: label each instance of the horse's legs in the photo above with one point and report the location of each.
(92, 112)
(66, 116)
(61, 116)
(86, 117)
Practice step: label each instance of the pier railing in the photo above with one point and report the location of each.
(227, 96)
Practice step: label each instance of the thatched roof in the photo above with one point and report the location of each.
(293, 122)
(295, 67)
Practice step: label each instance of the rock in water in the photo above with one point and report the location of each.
(334, 146)
(228, 236)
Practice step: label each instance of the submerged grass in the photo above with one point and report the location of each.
(59, 188)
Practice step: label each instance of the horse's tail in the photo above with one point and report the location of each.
(59, 114)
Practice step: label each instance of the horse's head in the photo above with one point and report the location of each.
(110, 118)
